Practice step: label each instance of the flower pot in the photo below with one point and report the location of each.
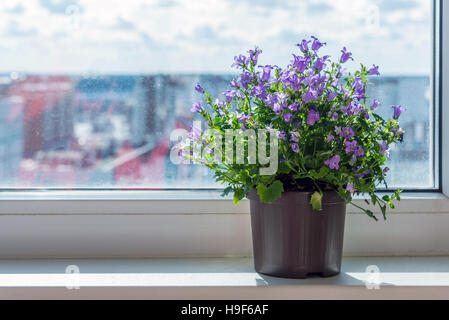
(292, 240)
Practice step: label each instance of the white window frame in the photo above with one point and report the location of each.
(95, 224)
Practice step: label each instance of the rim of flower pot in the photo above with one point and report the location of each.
(329, 197)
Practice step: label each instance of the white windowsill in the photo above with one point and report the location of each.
(171, 202)
(399, 278)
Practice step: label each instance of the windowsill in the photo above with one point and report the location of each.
(129, 224)
(171, 202)
(224, 278)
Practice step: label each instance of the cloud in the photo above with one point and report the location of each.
(14, 30)
(317, 8)
(208, 35)
(18, 9)
(388, 5)
(166, 3)
(159, 33)
(123, 24)
(57, 6)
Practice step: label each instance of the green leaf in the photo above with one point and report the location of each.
(284, 168)
(384, 210)
(226, 191)
(371, 214)
(270, 193)
(315, 201)
(324, 171)
(239, 194)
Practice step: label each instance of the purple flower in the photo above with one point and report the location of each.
(364, 173)
(330, 137)
(288, 117)
(295, 106)
(284, 76)
(304, 46)
(333, 162)
(317, 44)
(338, 130)
(309, 95)
(197, 107)
(357, 108)
(195, 133)
(243, 118)
(331, 96)
(245, 79)
(351, 146)
(334, 116)
(350, 187)
(359, 89)
(259, 91)
(240, 61)
(383, 147)
(345, 55)
(397, 111)
(374, 71)
(346, 93)
(281, 135)
(294, 81)
(266, 70)
(347, 109)
(295, 147)
(277, 107)
(294, 136)
(229, 95)
(375, 104)
(365, 114)
(199, 88)
(320, 63)
(313, 117)
(340, 72)
(347, 133)
(281, 98)
(234, 83)
(358, 152)
(300, 63)
(254, 55)
(270, 100)
(220, 104)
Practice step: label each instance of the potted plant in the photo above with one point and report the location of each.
(329, 145)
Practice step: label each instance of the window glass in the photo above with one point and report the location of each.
(90, 90)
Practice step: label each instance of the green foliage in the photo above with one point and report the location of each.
(315, 201)
(305, 152)
(270, 193)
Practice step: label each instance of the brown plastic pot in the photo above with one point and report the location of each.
(292, 240)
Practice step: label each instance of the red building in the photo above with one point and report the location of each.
(47, 112)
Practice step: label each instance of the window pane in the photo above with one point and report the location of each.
(90, 90)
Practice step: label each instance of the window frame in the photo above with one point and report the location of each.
(436, 119)
(51, 223)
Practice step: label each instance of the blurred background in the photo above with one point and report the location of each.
(90, 90)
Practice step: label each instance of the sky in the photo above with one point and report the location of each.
(203, 36)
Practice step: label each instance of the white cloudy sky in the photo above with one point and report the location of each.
(138, 36)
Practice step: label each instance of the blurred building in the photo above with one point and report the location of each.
(11, 133)
(45, 103)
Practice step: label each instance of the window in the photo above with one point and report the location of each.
(90, 90)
